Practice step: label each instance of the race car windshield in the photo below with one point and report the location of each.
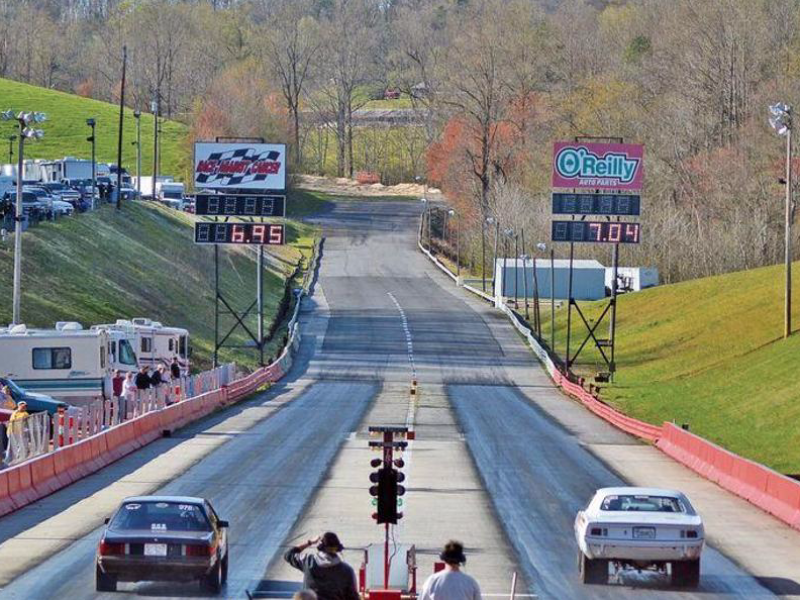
(160, 516)
(665, 504)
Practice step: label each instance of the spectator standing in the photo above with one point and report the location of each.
(324, 572)
(142, 380)
(156, 378)
(175, 368)
(15, 422)
(451, 583)
(128, 395)
(116, 384)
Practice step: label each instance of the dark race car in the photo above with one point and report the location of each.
(163, 538)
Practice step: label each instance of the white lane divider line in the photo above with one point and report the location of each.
(407, 331)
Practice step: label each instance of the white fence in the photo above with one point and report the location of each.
(39, 433)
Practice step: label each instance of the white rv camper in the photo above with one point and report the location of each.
(153, 343)
(68, 363)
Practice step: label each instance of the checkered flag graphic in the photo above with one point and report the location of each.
(248, 155)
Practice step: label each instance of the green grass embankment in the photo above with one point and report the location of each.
(707, 352)
(65, 130)
(142, 261)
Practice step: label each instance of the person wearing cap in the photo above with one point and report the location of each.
(324, 572)
(451, 583)
(20, 413)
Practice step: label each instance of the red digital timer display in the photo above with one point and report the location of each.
(604, 232)
(272, 234)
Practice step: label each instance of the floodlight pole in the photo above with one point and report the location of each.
(787, 331)
(138, 115)
(15, 316)
(91, 123)
(121, 121)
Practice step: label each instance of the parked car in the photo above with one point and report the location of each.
(163, 538)
(640, 528)
(36, 402)
(30, 202)
(63, 192)
(43, 196)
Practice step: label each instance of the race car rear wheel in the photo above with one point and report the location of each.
(103, 582)
(213, 581)
(686, 573)
(593, 570)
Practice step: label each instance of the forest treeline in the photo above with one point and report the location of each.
(494, 83)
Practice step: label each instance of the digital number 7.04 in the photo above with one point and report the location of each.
(613, 233)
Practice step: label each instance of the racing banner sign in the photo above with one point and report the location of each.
(598, 166)
(240, 166)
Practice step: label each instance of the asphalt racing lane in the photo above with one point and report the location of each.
(539, 476)
(260, 481)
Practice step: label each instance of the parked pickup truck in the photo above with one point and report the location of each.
(36, 402)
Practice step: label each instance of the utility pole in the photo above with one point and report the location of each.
(782, 122)
(17, 291)
(787, 329)
(92, 123)
(11, 139)
(121, 121)
(552, 300)
(483, 251)
(137, 114)
(516, 262)
(154, 106)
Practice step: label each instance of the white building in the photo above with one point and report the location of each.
(588, 279)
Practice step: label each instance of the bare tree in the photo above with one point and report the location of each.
(288, 45)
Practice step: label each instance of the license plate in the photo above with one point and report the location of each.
(155, 549)
(644, 533)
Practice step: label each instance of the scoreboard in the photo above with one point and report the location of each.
(625, 205)
(607, 232)
(240, 205)
(271, 234)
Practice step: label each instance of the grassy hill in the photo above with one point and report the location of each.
(66, 130)
(142, 261)
(710, 353)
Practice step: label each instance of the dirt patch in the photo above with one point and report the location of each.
(350, 187)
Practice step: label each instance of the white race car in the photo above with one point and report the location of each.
(640, 528)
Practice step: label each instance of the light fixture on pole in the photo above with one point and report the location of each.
(137, 114)
(24, 120)
(781, 121)
(91, 123)
(524, 258)
(452, 213)
(154, 110)
(496, 223)
(11, 140)
(508, 233)
(543, 248)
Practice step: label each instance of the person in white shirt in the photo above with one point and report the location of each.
(451, 583)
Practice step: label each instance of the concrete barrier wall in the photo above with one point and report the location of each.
(769, 490)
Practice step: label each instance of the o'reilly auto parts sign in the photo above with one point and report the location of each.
(244, 166)
(598, 166)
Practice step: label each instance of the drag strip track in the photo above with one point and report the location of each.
(539, 476)
(259, 481)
